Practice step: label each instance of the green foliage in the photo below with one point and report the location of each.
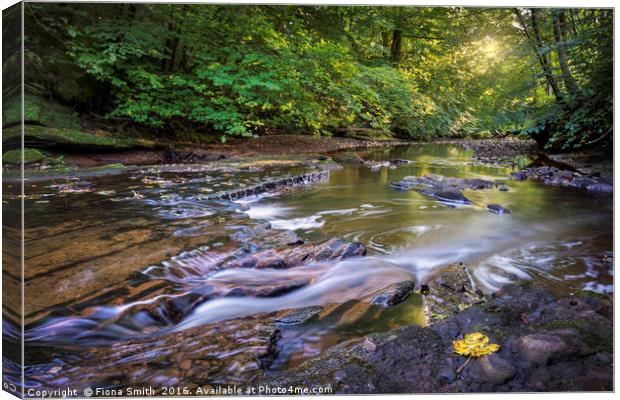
(217, 71)
(40, 111)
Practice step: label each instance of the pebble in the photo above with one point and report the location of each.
(185, 364)
(447, 375)
(540, 377)
(369, 345)
(602, 359)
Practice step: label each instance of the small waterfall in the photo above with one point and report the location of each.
(270, 185)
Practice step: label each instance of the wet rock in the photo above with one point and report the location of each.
(497, 209)
(563, 177)
(75, 186)
(501, 186)
(603, 358)
(271, 185)
(228, 352)
(369, 345)
(492, 369)
(500, 149)
(447, 375)
(451, 196)
(376, 165)
(392, 164)
(298, 315)
(429, 359)
(393, 294)
(398, 161)
(373, 364)
(287, 257)
(539, 378)
(272, 289)
(600, 187)
(538, 348)
(440, 182)
(348, 158)
(449, 291)
(442, 188)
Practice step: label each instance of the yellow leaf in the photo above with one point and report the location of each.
(475, 345)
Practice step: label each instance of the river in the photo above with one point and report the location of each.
(131, 262)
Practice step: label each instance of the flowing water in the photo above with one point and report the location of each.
(134, 262)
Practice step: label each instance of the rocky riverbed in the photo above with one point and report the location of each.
(233, 272)
(592, 182)
(546, 344)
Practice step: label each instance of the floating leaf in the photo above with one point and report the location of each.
(475, 345)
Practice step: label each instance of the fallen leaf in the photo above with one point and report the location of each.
(475, 345)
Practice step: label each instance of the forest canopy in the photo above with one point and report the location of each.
(213, 71)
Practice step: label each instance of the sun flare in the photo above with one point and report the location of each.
(489, 47)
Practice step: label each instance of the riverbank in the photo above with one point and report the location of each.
(508, 151)
(545, 344)
(488, 150)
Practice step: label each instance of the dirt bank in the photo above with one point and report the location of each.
(276, 145)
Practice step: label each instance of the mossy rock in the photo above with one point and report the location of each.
(44, 137)
(30, 156)
(597, 335)
(40, 111)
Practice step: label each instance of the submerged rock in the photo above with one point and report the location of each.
(227, 352)
(600, 187)
(377, 165)
(497, 209)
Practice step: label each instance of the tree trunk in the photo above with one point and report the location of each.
(537, 44)
(385, 41)
(559, 31)
(397, 46)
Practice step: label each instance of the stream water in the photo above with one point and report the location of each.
(133, 262)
